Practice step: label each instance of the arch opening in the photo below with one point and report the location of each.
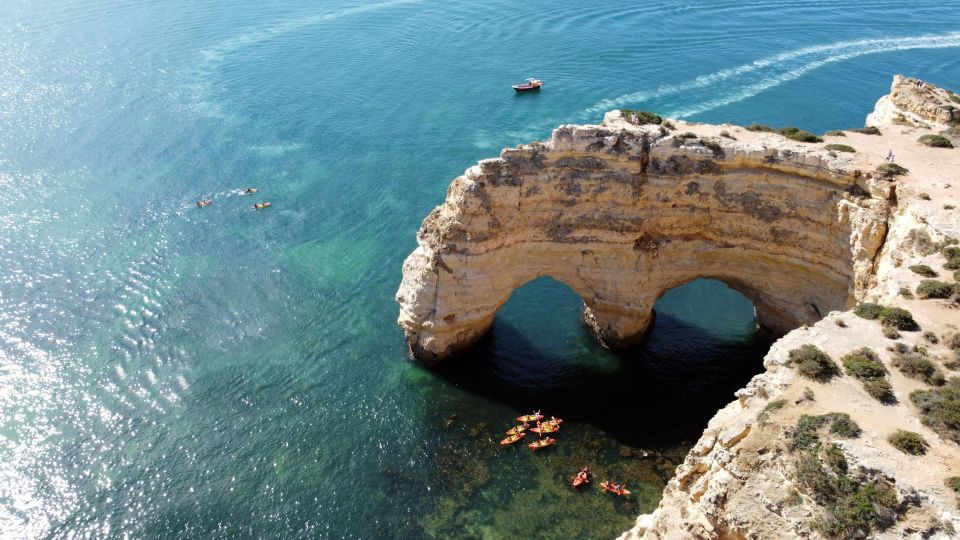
(538, 354)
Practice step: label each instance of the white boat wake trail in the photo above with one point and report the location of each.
(773, 71)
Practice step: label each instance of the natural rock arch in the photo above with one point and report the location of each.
(622, 214)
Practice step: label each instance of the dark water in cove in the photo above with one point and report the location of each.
(168, 371)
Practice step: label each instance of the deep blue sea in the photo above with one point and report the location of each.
(174, 372)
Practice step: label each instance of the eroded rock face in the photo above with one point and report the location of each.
(624, 213)
(916, 103)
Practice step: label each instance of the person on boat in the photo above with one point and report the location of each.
(250, 190)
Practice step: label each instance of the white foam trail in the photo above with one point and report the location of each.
(212, 57)
(216, 53)
(796, 73)
(815, 57)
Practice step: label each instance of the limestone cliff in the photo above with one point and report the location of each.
(622, 213)
(914, 102)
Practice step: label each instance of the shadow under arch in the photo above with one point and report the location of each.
(702, 347)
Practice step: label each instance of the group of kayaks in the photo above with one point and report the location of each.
(542, 428)
(585, 475)
(249, 191)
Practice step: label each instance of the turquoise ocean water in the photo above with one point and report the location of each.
(168, 371)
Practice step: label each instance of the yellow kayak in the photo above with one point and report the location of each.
(512, 439)
(542, 443)
(518, 429)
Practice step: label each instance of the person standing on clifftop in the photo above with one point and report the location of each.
(890, 157)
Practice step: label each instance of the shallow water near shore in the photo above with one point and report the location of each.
(169, 371)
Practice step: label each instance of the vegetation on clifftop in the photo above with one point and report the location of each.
(865, 365)
(790, 132)
(908, 442)
(890, 170)
(940, 409)
(813, 363)
(641, 117)
(853, 504)
(935, 141)
(840, 148)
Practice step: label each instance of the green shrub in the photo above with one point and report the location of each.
(641, 117)
(774, 405)
(952, 253)
(796, 134)
(898, 318)
(841, 424)
(805, 436)
(956, 276)
(955, 97)
(953, 483)
(868, 310)
(917, 366)
(908, 442)
(935, 141)
(869, 130)
(931, 337)
(891, 169)
(835, 458)
(906, 293)
(835, 133)
(923, 270)
(852, 507)
(840, 148)
(864, 364)
(788, 132)
(890, 332)
(880, 390)
(813, 363)
(940, 409)
(931, 288)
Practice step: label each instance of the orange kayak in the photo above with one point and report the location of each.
(622, 491)
(260, 205)
(205, 202)
(580, 479)
(530, 418)
(518, 429)
(512, 439)
(542, 443)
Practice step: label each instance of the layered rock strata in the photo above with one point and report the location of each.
(623, 213)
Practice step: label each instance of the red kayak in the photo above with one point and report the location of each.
(512, 439)
(608, 486)
(582, 477)
(530, 418)
(542, 443)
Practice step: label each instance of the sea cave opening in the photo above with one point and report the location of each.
(703, 346)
